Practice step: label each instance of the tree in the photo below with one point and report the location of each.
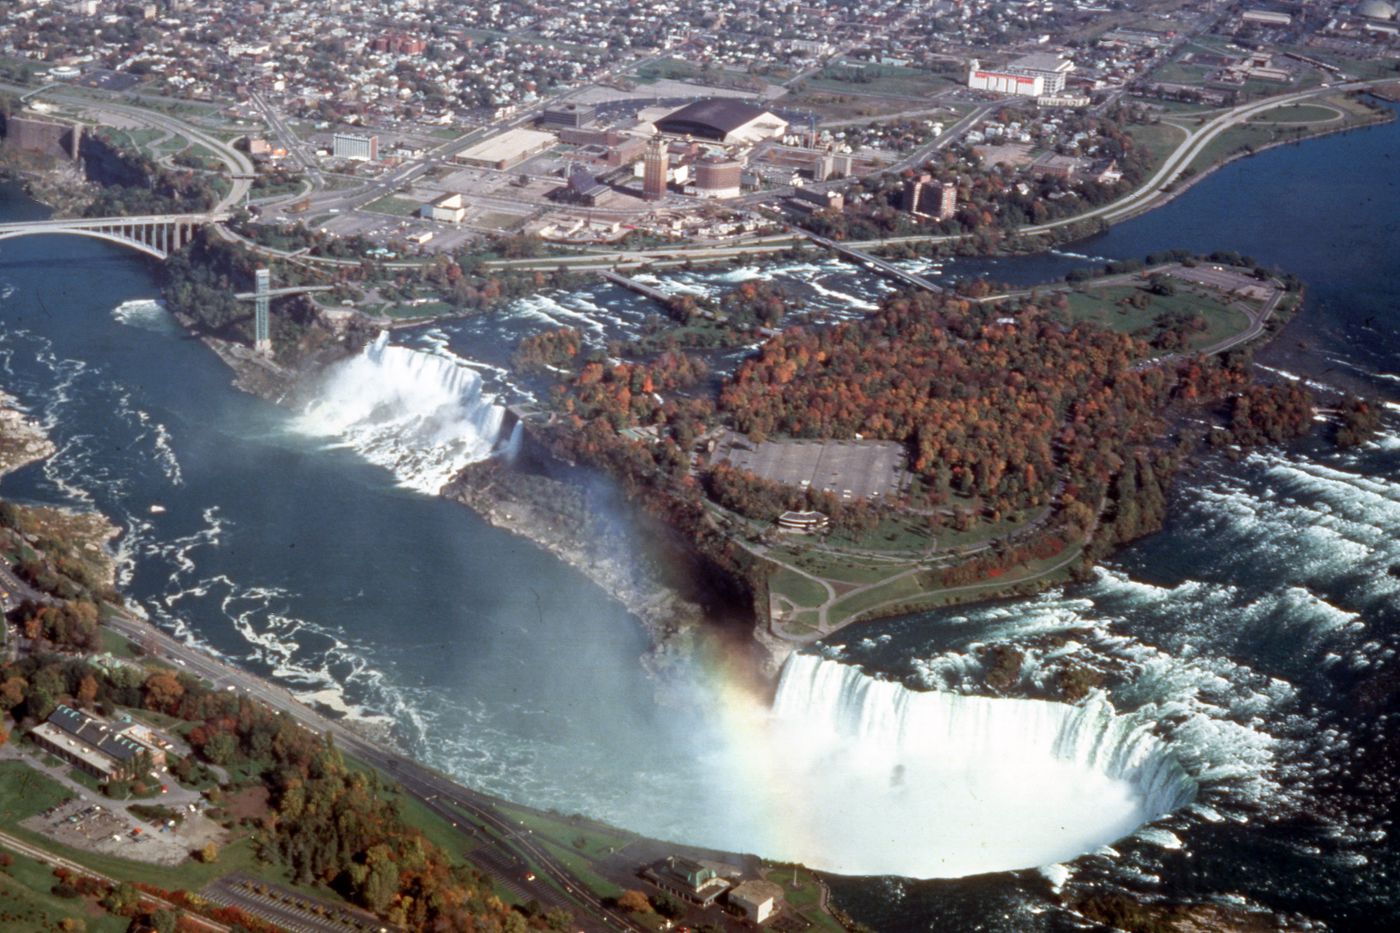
(87, 691)
(13, 692)
(634, 902)
(163, 692)
(381, 882)
(210, 853)
(220, 748)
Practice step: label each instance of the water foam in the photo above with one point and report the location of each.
(422, 415)
(881, 779)
(146, 314)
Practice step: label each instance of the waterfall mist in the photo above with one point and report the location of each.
(422, 415)
(857, 775)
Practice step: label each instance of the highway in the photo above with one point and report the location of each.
(58, 861)
(240, 166)
(439, 793)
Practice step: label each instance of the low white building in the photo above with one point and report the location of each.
(759, 900)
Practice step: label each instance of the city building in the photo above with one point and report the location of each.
(718, 177)
(807, 199)
(654, 170)
(355, 148)
(507, 149)
(928, 198)
(687, 879)
(1039, 74)
(1003, 81)
(1052, 68)
(1376, 9)
(723, 119)
(583, 188)
(446, 209)
(758, 900)
(1267, 17)
(571, 116)
(805, 523)
(94, 746)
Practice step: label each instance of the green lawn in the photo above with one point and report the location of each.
(25, 792)
(1101, 306)
(802, 591)
(856, 603)
(397, 206)
(1159, 139)
(802, 892)
(117, 645)
(889, 80)
(26, 904)
(667, 68)
(1298, 113)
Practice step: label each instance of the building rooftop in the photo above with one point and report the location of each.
(96, 733)
(1042, 61)
(720, 116)
(508, 145)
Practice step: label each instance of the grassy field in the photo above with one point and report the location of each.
(667, 68)
(27, 904)
(800, 590)
(392, 204)
(25, 792)
(1299, 113)
(1102, 306)
(1159, 139)
(886, 80)
(802, 891)
(116, 645)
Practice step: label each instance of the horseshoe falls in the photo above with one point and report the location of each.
(872, 778)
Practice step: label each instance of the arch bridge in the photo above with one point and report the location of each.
(156, 235)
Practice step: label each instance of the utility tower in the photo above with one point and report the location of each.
(262, 333)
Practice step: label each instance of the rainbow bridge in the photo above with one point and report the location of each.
(156, 235)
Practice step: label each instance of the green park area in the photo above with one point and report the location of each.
(1283, 125)
(1158, 139)
(881, 80)
(394, 205)
(1135, 309)
(1300, 113)
(899, 563)
(28, 900)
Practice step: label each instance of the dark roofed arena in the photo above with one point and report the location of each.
(722, 119)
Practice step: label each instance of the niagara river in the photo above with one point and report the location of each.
(1240, 749)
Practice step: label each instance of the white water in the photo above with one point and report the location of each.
(422, 415)
(874, 778)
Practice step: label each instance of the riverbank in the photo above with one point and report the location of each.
(22, 441)
(556, 516)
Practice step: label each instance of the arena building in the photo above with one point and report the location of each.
(725, 120)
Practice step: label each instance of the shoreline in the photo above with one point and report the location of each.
(669, 619)
(22, 440)
(664, 613)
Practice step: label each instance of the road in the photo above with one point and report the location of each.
(239, 165)
(58, 861)
(437, 792)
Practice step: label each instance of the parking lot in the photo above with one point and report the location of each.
(1230, 279)
(288, 909)
(110, 830)
(850, 469)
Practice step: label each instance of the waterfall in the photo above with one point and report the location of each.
(966, 784)
(512, 449)
(422, 415)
